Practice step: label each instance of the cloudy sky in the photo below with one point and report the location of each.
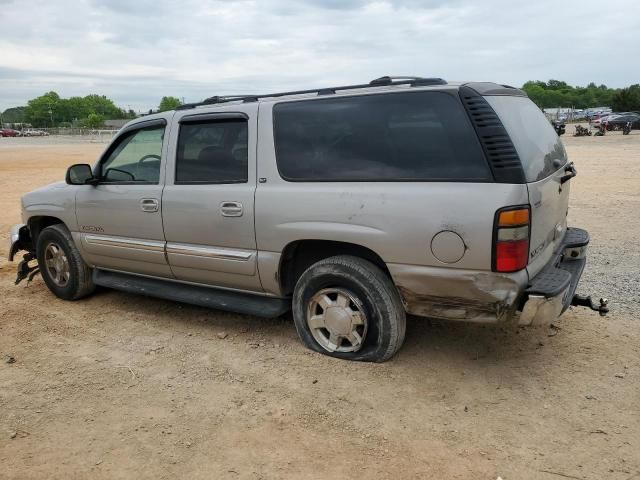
(136, 51)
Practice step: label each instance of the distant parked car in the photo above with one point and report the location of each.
(34, 133)
(620, 121)
(9, 132)
(604, 118)
(597, 115)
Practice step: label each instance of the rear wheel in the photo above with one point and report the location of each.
(347, 307)
(61, 265)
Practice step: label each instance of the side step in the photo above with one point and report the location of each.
(257, 305)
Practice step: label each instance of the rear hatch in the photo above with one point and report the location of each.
(544, 161)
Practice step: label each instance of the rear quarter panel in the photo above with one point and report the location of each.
(397, 220)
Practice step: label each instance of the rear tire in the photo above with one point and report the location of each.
(347, 307)
(61, 265)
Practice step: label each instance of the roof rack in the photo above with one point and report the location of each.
(378, 82)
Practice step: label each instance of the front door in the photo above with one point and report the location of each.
(208, 200)
(120, 219)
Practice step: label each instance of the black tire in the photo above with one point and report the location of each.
(377, 297)
(80, 281)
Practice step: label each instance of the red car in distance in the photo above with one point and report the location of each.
(9, 132)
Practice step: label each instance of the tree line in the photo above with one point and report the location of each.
(91, 111)
(50, 110)
(556, 93)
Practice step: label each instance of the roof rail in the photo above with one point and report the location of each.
(378, 82)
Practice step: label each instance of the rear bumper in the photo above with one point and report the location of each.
(551, 291)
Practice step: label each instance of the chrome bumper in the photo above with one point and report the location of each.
(540, 310)
(553, 289)
(15, 240)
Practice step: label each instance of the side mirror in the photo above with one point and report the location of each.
(79, 174)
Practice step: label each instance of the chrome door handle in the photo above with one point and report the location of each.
(231, 209)
(149, 204)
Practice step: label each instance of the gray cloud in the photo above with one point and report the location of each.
(136, 52)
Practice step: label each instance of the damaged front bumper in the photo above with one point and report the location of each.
(553, 289)
(20, 239)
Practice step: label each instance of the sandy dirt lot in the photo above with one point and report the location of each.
(119, 386)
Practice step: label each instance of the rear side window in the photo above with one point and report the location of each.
(419, 136)
(212, 152)
(536, 142)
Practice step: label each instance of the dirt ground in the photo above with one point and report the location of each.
(119, 386)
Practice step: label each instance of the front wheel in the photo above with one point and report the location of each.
(61, 265)
(347, 307)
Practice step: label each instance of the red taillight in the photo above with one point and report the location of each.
(511, 256)
(511, 237)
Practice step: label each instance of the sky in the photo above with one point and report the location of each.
(136, 51)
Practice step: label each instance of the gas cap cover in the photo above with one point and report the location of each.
(447, 246)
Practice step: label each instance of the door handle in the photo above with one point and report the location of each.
(149, 205)
(231, 209)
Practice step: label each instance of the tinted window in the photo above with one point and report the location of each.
(400, 136)
(537, 143)
(135, 157)
(212, 152)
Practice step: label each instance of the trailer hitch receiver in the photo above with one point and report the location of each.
(586, 301)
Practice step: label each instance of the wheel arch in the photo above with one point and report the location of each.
(299, 255)
(37, 223)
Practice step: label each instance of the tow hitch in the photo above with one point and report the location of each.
(586, 301)
(25, 270)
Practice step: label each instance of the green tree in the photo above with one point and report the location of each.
(93, 121)
(42, 110)
(102, 106)
(556, 93)
(169, 103)
(14, 115)
(557, 85)
(74, 109)
(627, 99)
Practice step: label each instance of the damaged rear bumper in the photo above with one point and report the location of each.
(457, 294)
(491, 297)
(553, 289)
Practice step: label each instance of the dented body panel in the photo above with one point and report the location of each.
(468, 295)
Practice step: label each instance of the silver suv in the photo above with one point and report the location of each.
(352, 206)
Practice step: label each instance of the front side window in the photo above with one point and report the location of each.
(417, 136)
(135, 158)
(213, 151)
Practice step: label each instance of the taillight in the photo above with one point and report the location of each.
(511, 239)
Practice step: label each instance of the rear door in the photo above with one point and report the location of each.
(544, 161)
(208, 200)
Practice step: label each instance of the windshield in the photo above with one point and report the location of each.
(537, 143)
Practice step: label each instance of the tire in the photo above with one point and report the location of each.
(367, 303)
(61, 265)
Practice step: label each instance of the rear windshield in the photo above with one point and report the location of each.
(418, 136)
(538, 145)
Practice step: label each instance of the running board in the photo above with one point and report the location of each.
(260, 306)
